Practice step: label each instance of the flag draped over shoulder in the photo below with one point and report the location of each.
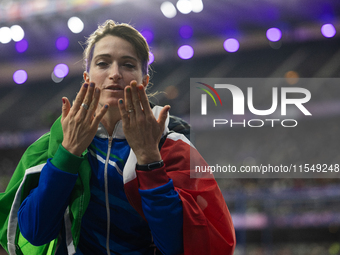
(24, 179)
(35, 155)
(207, 224)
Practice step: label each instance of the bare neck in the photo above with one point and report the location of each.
(110, 120)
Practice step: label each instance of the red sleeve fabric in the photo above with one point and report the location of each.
(152, 179)
(207, 223)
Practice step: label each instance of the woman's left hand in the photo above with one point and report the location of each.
(142, 131)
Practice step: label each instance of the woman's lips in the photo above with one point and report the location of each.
(114, 87)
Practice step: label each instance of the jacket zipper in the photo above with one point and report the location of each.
(107, 204)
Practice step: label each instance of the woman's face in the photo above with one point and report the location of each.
(113, 66)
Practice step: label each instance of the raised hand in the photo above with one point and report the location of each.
(142, 131)
(79, 122)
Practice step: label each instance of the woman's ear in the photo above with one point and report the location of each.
(146, 80)
(86, 77)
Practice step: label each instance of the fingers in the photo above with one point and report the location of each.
(123, 113)
(99, 116)
(136, 99)
(93, 95)
(88, 97)
(88, 101)
(130, 108)
(163, 115)
(144, 100)
(65, 108)
(80, 98)
(136, 107)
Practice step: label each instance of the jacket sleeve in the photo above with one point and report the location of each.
(207, 224)
(163, 210)
(41, 213)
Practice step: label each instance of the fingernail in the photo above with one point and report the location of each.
(140, 87)
(121, 101)
(97, 90)
(86, 85)
(106, 106)
(63, 100)
(128, 89)
(91, 84)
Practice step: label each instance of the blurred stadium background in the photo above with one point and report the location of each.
(41, 61)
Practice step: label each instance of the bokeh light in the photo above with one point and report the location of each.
(274, 34)
(197, 6)
(75, 24)
(185, 52)
(61, 70)
(55, 78)
(186, 32)
(231, 45)
(62, 43)
(148, 35)
(328, 30)
(275, 45)
(171, 92)
(17, 33)
(21, 46)
(151, 58)
(168, 10)
(184, 6)
(292, 77)
(5, 35)
(20, 77)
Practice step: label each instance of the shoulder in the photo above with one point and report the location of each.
(43, 148)
(178, 125)
(49, 142)
(36, 154)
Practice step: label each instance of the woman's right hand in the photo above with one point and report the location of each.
(79, 124)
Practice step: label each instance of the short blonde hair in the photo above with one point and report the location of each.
(124, 31)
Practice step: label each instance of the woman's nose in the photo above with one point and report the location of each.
(115, 72)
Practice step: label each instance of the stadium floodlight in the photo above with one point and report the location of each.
(231, 45)
(184, 6)
(168, 10)
(17, 33)
(151, 58)
(61, 70)
(21, 46)
(185, 52)
(5, 35)
(274, 34)
(75, 24)
(20, 77)
(197, 6)
(186, 32)
(328, 30)
(62, 43)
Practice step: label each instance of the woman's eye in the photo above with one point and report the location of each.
(129, 65)
(102, 64)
